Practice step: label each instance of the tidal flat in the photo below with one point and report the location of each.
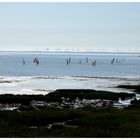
(69, 113)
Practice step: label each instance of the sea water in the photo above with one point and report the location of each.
(55, 64)
(54, 71)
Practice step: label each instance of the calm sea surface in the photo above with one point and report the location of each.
(55, 64)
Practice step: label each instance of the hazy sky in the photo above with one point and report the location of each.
(70, 26)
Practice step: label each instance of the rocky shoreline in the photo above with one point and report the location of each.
(66, 98)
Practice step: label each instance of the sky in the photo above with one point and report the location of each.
(67, 26)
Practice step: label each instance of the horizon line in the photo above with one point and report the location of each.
(72, 51)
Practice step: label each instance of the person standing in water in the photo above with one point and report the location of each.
(87, 59)
(68, 60)
(36, 61)
(23, 61)
(94, 62)
(113, 60)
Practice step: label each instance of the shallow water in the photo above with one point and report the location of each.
(43, 85)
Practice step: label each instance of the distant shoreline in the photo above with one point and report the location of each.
(111, 52)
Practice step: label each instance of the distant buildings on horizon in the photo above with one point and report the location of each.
(74, 50)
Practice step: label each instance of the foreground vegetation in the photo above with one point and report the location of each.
(80, 122)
